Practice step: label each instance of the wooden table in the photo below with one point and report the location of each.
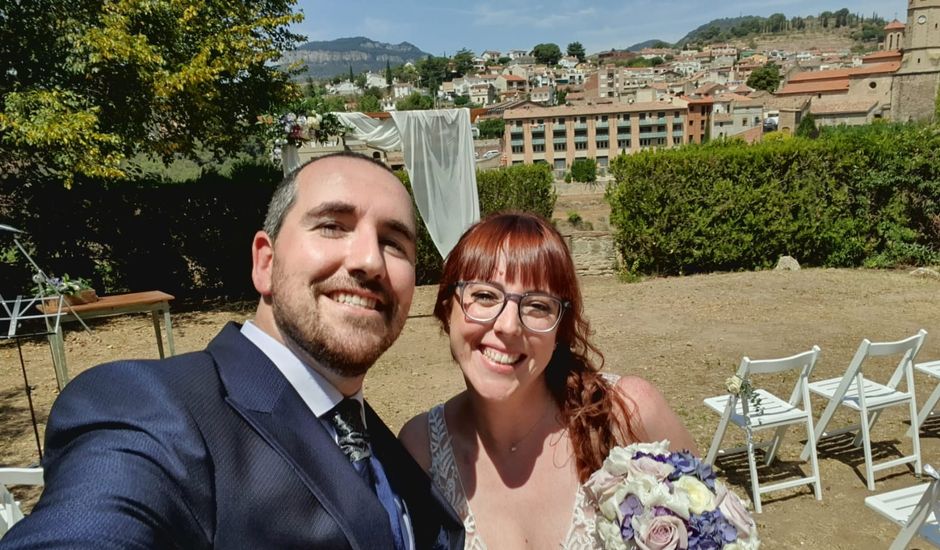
(153, 301)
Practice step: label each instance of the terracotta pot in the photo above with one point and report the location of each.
(86, 296)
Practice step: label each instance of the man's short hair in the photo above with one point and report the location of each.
(286, 191)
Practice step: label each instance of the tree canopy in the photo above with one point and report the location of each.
(88, 83)
(463, 62)
(575, 49)
(765, 78)
(548, 54)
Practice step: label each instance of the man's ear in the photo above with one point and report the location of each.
(262, 262)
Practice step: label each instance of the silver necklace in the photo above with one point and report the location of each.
(515, 446)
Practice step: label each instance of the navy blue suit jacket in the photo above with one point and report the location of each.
(213, 449)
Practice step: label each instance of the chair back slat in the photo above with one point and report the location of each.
(805, 360)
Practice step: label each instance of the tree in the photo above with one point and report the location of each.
(462, 101)
(807, 127)
(432, 71)
(416, 101)
(549, 54)
(369, 104)
(561, 96)
(361, 80)
(88, 83)
(463, 62)
(575, 49)
(584, 170)
(388, 75)
(491, 128)
(765, 78)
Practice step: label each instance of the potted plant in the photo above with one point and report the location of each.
(74, 291)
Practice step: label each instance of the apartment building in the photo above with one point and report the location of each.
(559, 135)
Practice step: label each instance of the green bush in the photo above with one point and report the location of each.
(854, 196)
(189, 238)
(584, 170)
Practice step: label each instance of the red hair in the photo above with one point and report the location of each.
(597, 417)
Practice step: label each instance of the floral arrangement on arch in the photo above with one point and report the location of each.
(297, 129)
(654, 499)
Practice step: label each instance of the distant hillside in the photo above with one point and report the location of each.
(649, 44)
(324, 59)
(864, 31)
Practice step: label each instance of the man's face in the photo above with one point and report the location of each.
(340, 276)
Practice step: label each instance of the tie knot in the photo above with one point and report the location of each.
(351, 433)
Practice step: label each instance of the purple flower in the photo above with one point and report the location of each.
(630, 507)
(710, 530)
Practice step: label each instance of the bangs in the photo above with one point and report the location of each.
(536, 256)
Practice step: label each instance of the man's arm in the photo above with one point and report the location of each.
(125, 467)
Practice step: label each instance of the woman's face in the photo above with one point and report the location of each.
(500, 357)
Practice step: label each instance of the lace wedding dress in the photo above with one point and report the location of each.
(581, 533)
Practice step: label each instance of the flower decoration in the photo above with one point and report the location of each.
(64, 285)
(651, 498)
(744, 390)
(296, 130)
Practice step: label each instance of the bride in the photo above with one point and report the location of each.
(512, 451)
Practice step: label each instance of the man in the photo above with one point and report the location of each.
(242, 445)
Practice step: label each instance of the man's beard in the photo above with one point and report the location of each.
(349, 355)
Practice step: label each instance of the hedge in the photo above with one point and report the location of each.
(190, 238)
(855, 196)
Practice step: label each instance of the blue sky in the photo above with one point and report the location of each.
(445, 26)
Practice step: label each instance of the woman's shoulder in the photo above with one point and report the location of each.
(651, 413)
(414, 436)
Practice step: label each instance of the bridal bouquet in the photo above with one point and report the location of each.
(651, 498)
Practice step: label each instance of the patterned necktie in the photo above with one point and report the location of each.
(351, 436)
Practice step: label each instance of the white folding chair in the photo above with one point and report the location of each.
(869, 398)
(10, 512)
(930, 368)
(916, 509)
(774, 413)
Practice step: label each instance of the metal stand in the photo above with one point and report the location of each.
(25, 321)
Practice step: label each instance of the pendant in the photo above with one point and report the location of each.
(512, 449)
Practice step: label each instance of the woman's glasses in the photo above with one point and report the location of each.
(483, 302)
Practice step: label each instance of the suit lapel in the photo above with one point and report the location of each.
(429, 512)
(263, 397)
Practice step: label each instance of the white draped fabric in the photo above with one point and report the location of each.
(437, 147)
(290, 159)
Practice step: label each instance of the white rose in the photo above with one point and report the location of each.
(660, 495)
(618, 460)
(734, 384)
(650, 467)
(701, 499)
(610, 506)
(609, 533)
(658, 448)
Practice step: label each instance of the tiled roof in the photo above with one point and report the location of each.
(887, 55)
(867, 69)
(825, 86)
(842, 107)
(895, 25)
(513, 78)
(578, 110)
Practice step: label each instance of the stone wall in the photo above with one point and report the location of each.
(914, 96)
(593, 252)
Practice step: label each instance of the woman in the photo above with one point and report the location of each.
(537, 418)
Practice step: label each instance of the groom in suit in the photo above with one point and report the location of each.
(261, 440)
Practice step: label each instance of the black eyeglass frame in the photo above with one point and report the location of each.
(459, 287)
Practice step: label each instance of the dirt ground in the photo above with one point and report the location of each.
(685, 334)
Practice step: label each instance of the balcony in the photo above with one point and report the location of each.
(602, 124)
(580, 125)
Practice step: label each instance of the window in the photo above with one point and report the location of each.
(872, 84)
(539, 148)
(517, 148)
(560, 164)
(559, 147)
(583, 120)
(675, 114)
(743, 122)
(603, 144)
(660, 114)
(580, 145)
(642, 116)
(623, 143)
